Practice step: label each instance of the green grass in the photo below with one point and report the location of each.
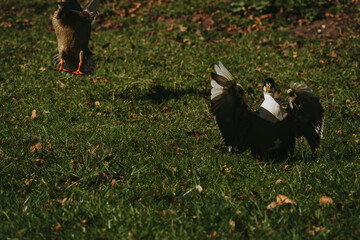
(128, 165)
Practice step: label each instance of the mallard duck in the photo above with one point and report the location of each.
(73, 27)
(270, 131)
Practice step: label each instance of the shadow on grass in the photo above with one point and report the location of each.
(158, 93)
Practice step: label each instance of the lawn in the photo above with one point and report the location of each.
(133, 152)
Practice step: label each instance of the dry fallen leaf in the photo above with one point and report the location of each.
(280, 200)
(28, 181)
(286, 166)
(135, 7)
(232, 225)
(38, 147)
(272, 205)
(316, 229)
(325, 201)
(295, 54)
(199, 188)
(280, 180)
(34, 114)
(182, 28)
(32, 149)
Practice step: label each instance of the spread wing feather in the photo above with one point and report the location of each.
(92, 7)
(307, 113)
(228, 104)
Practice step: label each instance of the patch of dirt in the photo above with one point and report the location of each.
(325, 28)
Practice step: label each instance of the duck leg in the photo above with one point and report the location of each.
(61, 68)
(78, 72)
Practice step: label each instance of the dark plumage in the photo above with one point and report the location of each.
(73, 27)
(270, 131)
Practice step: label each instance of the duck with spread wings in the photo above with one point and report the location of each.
(270, 131)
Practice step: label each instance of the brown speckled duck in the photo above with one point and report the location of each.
(73, 27)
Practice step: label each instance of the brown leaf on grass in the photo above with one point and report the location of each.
(65, 201)
(28, 181)
(203, 19)
(48, 145)
(61, 84)
(198, 33)
(57, 228)
(333, 54)
(182, 28)
(272, 205)
(325, 201)
(315, 229)
(232, 225)
(33, 114)
(135, 7)
(280, 200)
(287, 166)
(113, 183)
(32, 149)
(36, 147)
(280, 180)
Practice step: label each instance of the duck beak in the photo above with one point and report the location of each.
(268, 88)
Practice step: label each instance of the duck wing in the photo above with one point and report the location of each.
(228, 104)
(306, 112)
(92, 7)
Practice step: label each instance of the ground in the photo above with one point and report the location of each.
(134, 152)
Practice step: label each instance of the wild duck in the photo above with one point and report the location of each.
(270, 131)
(73, 28)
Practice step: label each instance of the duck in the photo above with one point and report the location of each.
(72, 26)
(270, 131)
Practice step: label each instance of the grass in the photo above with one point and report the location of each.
(120, 154)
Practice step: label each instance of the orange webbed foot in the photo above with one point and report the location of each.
(78, 72)
(61, 68)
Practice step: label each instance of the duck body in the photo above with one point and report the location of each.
(73, 35)
(73, 30)
(269, 132)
